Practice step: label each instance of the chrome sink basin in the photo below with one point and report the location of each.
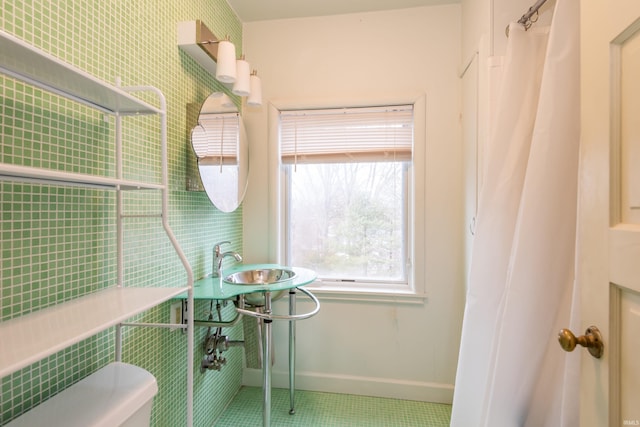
(258, 277)
(261, 276)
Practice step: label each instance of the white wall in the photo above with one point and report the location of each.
(380, 348)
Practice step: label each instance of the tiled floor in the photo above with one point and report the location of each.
(314, 409)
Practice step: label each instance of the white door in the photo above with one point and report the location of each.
(609, 210)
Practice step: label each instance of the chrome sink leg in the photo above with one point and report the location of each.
(259, 328)
(292, 351)
(266, 365)
(268, 317)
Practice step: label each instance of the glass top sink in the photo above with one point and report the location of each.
(209, 287)
(260, 276)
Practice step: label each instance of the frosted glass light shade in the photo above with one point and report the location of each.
(226, 67)
(242, 86)
(255, 94)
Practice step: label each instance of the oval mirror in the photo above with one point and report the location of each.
(220, 143)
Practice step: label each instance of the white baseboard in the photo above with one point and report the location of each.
(365, 386)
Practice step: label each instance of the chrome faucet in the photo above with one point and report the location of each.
(218, 256)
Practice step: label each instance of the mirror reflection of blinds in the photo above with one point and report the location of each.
(216, 136)
(359, 134)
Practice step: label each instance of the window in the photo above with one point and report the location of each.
(347, 199)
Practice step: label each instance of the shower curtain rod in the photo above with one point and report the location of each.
(526, 18)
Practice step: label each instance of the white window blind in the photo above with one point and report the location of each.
(215, 139)
(366, 134)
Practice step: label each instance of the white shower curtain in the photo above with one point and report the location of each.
(511, 369)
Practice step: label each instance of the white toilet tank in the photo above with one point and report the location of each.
(118, 395)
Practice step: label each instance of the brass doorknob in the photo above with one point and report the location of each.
(592, 339)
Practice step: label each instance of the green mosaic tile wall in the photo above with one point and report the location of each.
(58, 243)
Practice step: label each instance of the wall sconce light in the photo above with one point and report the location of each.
(242, 86)
(226, 68)
(218, 57)
(255, 93)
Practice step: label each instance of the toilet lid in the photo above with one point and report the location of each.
(105, 398)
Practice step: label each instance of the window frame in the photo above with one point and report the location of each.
(415, 286)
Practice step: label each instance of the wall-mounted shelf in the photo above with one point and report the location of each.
(32, 337)
(53, 177)
(31, 65)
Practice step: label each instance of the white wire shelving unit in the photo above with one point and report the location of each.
(34, 336)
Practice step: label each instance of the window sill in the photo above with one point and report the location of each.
(363, 294)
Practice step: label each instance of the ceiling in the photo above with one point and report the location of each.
(261, 10)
